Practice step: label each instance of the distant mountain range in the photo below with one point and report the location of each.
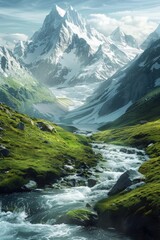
(66, 51)
(117, 94)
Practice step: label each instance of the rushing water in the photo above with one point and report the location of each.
(32, 216)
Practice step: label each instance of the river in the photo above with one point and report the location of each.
(32, 216)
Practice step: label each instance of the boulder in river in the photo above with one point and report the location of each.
(127, 179)
(31, 185)
(92, 182)
(69, 167)
(82, 217)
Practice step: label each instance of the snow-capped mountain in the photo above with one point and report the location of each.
(110, 56)
(63, 41)
(67, 51)
(154, 36)
(119, 92)
(10, 67)
(120, 37)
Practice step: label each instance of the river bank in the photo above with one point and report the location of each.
(136, 213)
(34, 215)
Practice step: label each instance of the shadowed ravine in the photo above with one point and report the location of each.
(33, 215)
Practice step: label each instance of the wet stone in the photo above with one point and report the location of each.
(92, 182)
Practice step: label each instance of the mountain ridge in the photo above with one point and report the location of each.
(154, 36)
(118, 93)
(62, 37)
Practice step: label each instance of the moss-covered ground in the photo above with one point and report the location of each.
(143, 202)
(35, 154)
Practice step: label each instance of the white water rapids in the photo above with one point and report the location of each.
(32, 216)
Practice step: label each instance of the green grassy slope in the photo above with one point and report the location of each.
(35, 154)
(21, 96)
(145, 109)
(140, 208)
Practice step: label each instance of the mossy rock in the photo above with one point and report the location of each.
(82, 217)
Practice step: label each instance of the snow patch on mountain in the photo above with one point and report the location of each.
(155, 66)
(142, 64)
(113, 87)
(75, 96)
(60, 11)
(157, 82)
(71, 62)
(95, 118)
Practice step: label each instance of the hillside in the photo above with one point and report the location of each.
(145, 109)
(21, 91)
(140, 205)
(36, 150)
(118, 93)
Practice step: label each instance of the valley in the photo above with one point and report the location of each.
(80, 126)
(36, 212)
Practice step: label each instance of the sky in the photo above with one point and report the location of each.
(19, 19)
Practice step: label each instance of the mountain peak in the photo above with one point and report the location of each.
(60, 11)
(117, 34)
(71, 11)
(52, 21)
(72, 16)
(118, 30)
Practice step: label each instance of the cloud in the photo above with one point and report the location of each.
(103, 23)
(16, 37)
(9, 40)
(138, 26)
